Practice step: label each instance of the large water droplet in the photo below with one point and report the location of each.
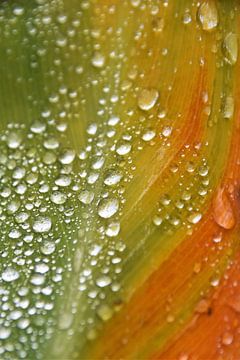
(222, 210)
(208, 15)
(108, 207)
(147, 99)
(103, 281)
(10, 274)
(42, 224)
(230, 48)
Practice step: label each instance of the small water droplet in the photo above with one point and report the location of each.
(230, 48)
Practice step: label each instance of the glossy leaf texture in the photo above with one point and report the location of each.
(119, 179)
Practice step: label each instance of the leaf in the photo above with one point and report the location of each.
(119, 168)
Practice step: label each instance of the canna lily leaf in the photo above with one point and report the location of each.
(119, 179)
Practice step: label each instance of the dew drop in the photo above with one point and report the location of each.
(123, 148)
(148, 135)
(112, 178)
(14, 140)
(147, 98)
(104, 312)
(227, 338)
(208, 15)
(113, 229)
(4, 333)
(58, 198)
(98, 60)
(10, 274)
(194, 218)
(38, 127)
(103, 281)
(228, 108)
(230, 48)
(42, 224)
(222, 210)
(48, 247)
(67, 156)
(86, 197)
(108, 207)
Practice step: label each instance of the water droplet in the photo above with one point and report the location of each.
(123, 148)
(230, 48)
(67, 156)
(228, 108)
(112, 178)
(148, 135)
(86, 197)
(157, 220)
(208, 15)
(167, 131)
(41, 268)
(48, 247)
(4, 333)
(98, 60)
(42, 224)
(14, 140)
(18, 173)
(58, 198)
(10, 274)
(147, 99)
(227, 338)
(103, 281)
(63, 181)
(18, 10)
(49, 158)
(194, 218)
(108, 207)
(105, 312)
(38, 127)
(222, 210)
(113, 229)
(51, 143)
